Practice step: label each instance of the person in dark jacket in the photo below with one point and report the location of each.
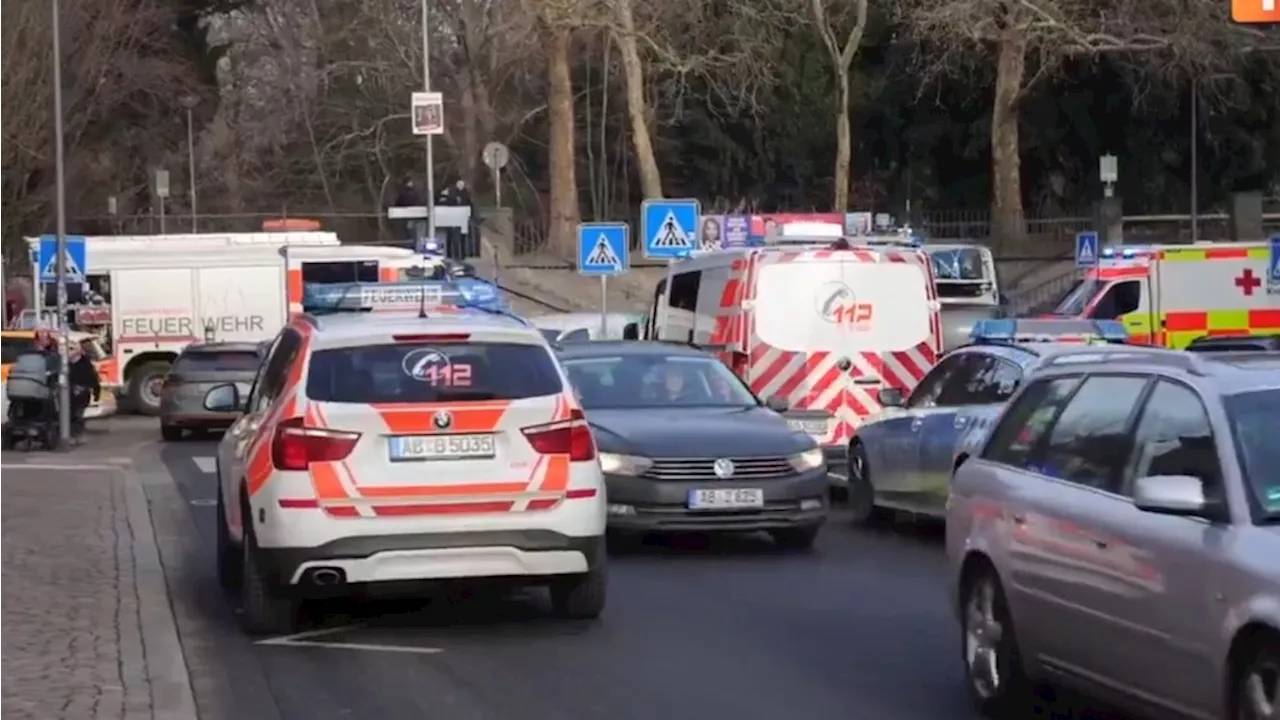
(82, 377)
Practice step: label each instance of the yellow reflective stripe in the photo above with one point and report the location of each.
(1136, 322)
(1229, 320)
(1183, 255)
(1181, 339)
(1193, 254)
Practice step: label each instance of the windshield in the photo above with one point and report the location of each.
(1254, 418)
(958, 264)
(443, 372)
(645, 381)
(1077, 298)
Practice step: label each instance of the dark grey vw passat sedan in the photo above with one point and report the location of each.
(685, 446)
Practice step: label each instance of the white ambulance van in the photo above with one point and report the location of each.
(814, 330)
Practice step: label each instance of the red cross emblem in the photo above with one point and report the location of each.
(1247, 282)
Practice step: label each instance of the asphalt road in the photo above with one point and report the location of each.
(858, 629)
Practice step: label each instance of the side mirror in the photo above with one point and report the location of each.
(890, 397)
(224, 398)
(1170, 495)
(777, 403)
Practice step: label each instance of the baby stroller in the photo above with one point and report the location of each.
(33, 405)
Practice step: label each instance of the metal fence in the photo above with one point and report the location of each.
(1045, 236)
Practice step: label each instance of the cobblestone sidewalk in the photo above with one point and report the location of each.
(88, 633)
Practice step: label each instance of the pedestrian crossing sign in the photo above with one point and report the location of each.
(47, 258)
(603, 248)
(670, 228)
(1086, 250)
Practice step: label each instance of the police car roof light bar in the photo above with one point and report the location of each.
(415, 295)
(1003, 331)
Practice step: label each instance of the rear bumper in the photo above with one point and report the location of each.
(515, 555)
(644, 505)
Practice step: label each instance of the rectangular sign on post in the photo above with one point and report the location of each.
(1086, 250)
(427, 113)
(603, 248)
(670, 228)
(47, 258)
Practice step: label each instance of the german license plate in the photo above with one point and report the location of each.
(817, 427)
(441, 447)
(726, 499)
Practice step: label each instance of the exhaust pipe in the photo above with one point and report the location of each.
(327, 577)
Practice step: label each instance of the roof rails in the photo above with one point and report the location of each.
(1135, 354)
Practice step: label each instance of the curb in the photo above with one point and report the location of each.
(171, 695)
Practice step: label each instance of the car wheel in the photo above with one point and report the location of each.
(169, 433)
(580, 596)
(795, 538)
(860, 493)
(144, 387)
(263, 609)
(1256, 687)
(230, 556)
(997, 684)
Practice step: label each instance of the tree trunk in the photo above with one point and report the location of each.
(844, 144)
(1007, 224)
(470, 145)
(563, 229)
(637, 111)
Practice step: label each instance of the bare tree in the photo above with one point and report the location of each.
(1028, 40)
(637, 108)
(828, 21)
(118, 66)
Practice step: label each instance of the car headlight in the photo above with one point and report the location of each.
(808, 460)
(615, 464)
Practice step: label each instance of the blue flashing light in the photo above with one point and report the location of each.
(462, 293)
(1006, 331)
(1125, 252)
(1111, 331)
(994, 330)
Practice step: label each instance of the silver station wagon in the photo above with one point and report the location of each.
(1118, 533)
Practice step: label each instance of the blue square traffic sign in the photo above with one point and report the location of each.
(669, 227)
(47, 258)
(1087, 249)
(603, 248)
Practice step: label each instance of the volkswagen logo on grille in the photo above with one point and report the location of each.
(723, 468)
(442, 420)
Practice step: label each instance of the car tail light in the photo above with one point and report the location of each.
(296, 446)
(437, 337)
(571, 437)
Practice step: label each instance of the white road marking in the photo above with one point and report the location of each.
(205, 464)
(63, 467)
(304, 639)
(286, 639)
(357, 646)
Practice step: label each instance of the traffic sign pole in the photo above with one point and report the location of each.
(604, 249)
(604, 307)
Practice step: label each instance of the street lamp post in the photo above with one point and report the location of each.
(189, 102)
(426, 86)
(60, 183)
(1195, 158)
